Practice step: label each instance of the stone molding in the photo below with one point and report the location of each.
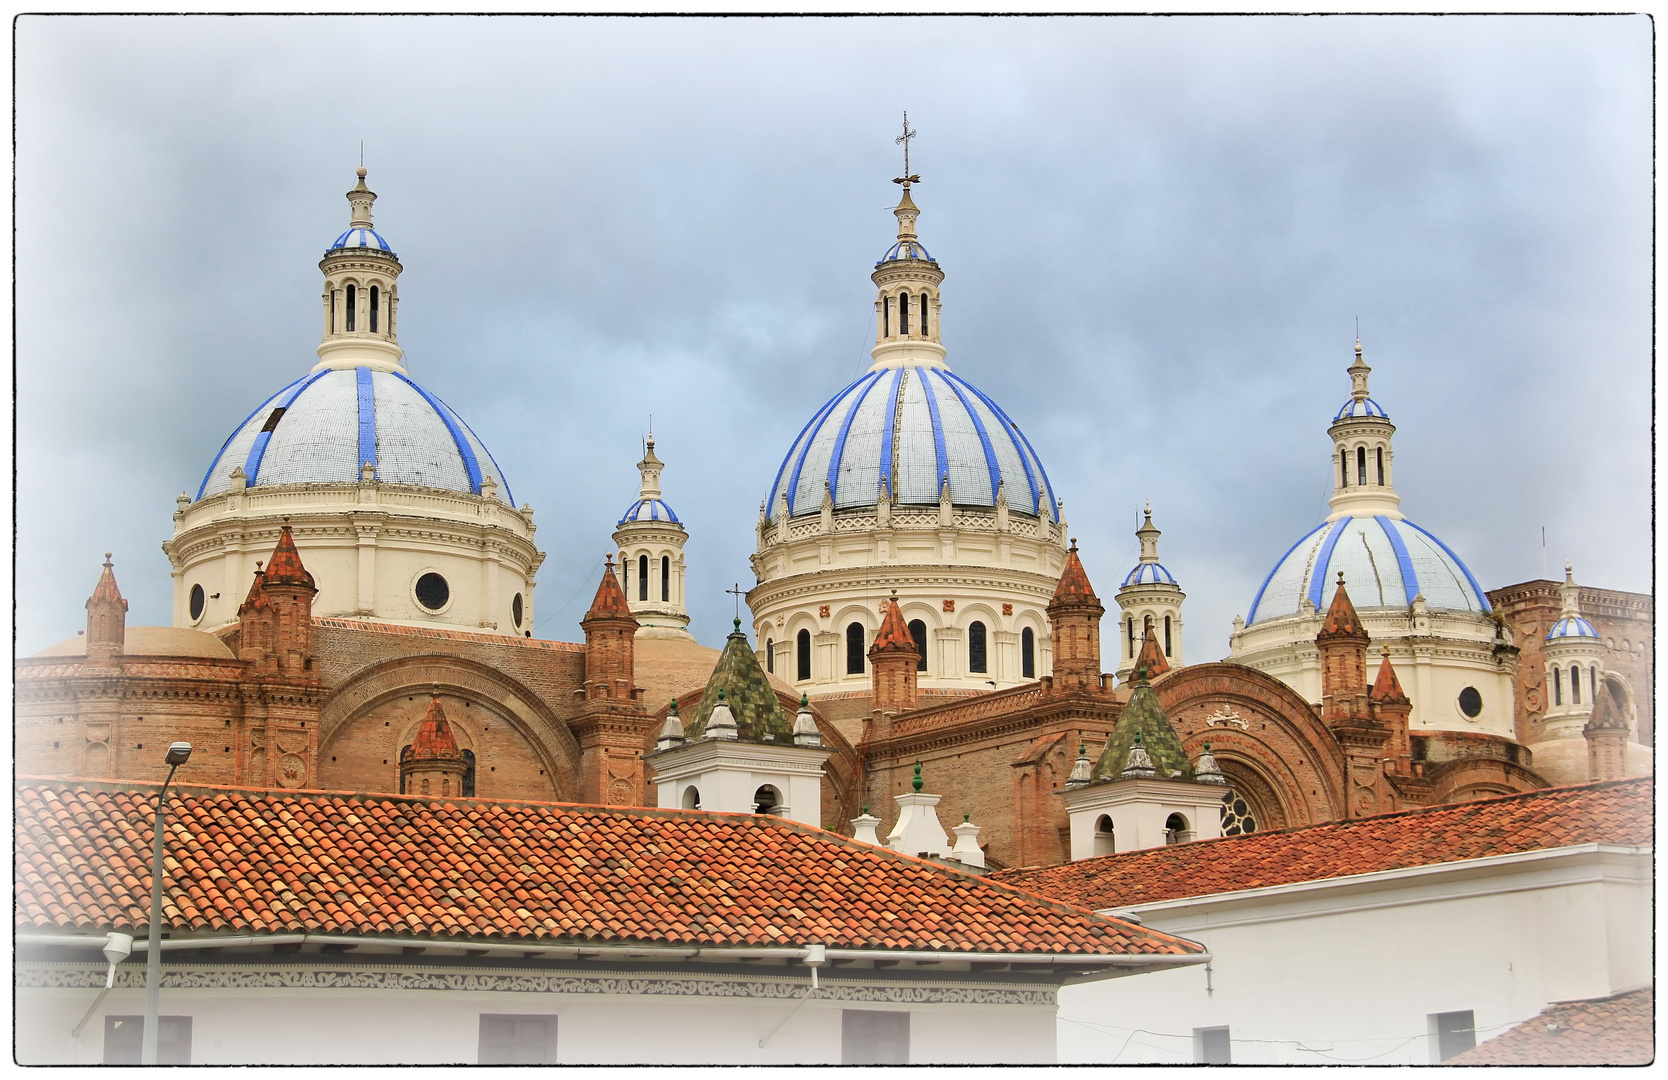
(232, 976)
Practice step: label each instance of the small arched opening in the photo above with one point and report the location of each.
(977, 651)
(770, 655)
(665, 579)
(691, 798)
(1177, 830)
(352, 305)
(903, 314)
(1361, 465)
(1166, 636)
(767, 800)
(854, 649)
(1027, 653)
(802, 658)
(918, 631)
(642, 577)
(1105, 840)
(376, 296)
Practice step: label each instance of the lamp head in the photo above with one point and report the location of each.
(178, 753)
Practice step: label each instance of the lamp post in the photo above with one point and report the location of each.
(177, 755)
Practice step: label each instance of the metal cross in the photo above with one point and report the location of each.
(738, 594)
(907, 178)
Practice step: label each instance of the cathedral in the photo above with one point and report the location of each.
(354, 597)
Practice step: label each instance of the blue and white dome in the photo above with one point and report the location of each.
(1571, 626)
(911, 426)
(361, 238)
(1362, 407)
(320, 430)
(649, 510)
(1385, 562)
(1148, 573)
(905, 249)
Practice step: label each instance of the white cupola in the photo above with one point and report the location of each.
(650, 539)
(907, 308)
(739, 752)
(1362, 476)
(361, 297)
(1574, 656)
(1149, 599)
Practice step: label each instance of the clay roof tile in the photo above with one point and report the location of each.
(284, 568)
(1074, 584)
(610, 600)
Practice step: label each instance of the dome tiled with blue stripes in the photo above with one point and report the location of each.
(649, 510)
(1361, 407)
(321, 429)
(1571, 626)
(1148, 573)
(905, 249)
(361, 238)
(909, 428)
(1386, 562)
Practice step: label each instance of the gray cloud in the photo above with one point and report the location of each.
(1157, 235)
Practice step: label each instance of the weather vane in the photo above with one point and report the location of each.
(737, 593)
(908, 177)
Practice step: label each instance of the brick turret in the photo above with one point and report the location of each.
(1390, 706)
(276, 618)
(1151, 658)
(894, 661)
(106, 620)
(1074, 615)
(1342, 643)
(1607, 735)
(434, 765)
(609, 629)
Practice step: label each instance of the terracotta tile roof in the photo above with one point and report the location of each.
(444, 634)
(285, 567)
(1613, 812)
(434, 735)
(894, 635)
(257, 596)
(1387, 689)
(260, 862)
(1341, 619)
(1614, 1030)
(1074, 584)
(106, 591)
(610, 601)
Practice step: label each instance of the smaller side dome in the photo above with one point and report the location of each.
(906, 249)
(359, 237)
(1571, 626)
(1361, 407)
(1149, 573)
(649, 510)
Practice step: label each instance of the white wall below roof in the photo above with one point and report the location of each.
(312, 1026)
(1351, 971)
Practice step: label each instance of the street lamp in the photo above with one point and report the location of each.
(177, 755)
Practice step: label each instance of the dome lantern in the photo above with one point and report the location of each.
(1362, 479)
(361, 296)
(1150, 603)
(650, 540)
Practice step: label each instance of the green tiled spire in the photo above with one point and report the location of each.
(1144, 714)
(748, 694)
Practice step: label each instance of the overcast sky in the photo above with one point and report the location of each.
(1157, 235)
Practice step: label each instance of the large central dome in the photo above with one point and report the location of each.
(325, 427)
(907, 429)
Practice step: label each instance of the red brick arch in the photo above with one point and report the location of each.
(1479, 778)
(1284, 750)
(552, 742)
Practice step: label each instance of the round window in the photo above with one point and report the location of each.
(433, 592)
(515, 610)
(1470, 702)
(197, 602)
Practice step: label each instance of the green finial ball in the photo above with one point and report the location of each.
(804, 701)
(966, 816)
(1207, 748)
(1082, 749)
(1137, 738)
(720, 695)
(738, 624)
(865, 811)
(917, 783)
(674, 706)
